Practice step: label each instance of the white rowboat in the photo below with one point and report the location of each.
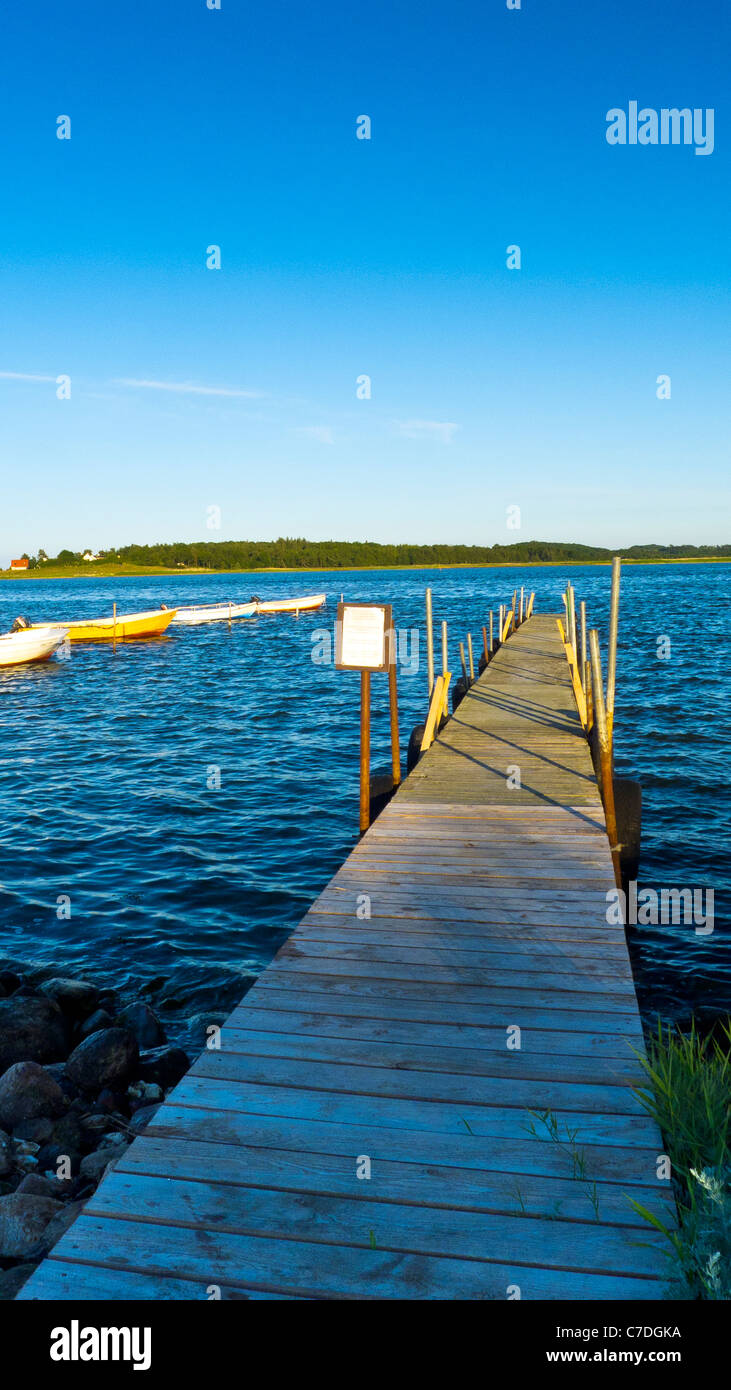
(31, 644)
(292, 605)
(213, 613)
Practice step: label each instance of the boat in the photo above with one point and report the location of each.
(31, 644)
(292, 605)
(213, 613)
(149, 624)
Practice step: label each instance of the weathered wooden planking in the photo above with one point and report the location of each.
(385, 1035)
(417, 1182)
(317, 1269)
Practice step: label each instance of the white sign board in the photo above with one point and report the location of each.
(361, 636)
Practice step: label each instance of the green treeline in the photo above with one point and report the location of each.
(297, 553)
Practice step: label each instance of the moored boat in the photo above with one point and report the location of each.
(212, 613)
(31, 644)
(149, 624)
(292, 605)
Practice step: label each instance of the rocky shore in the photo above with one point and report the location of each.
(81, 1073)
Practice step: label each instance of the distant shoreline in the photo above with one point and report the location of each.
(152, 571)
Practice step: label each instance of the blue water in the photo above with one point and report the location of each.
(185, 891)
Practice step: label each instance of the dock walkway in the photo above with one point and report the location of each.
(369, 1127)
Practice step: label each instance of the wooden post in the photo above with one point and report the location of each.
(530, 605)
(501, 624)
(393, 704)
(589, 697)
(470, 655)
(485, 651)
(520, 619)
(464, 664)
(229, 617)
(605, 755)
(490, 632)
(429, 643)
(612, 657)
(583, 644)
(444, 648)
(572, 619)
(365, 750)
(114, 627)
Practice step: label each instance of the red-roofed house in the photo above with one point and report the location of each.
(19, 564)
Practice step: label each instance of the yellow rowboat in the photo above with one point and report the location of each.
(126, 625)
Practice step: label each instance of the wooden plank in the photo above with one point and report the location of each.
(178, 1126)
(330, 1271)
(406, 1113)
(412, 1084)
(360, 1219)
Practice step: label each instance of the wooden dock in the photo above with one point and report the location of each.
(382, 1040)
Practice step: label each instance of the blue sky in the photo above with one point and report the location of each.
(491, 388)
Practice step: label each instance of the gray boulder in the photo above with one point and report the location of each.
(95, 1022)
(12, 1280)
(144, 1023)
(105, 1059)
(94, 1165)
(164, 1066)
(6, 1154)
(23, 1220)
(27, 1092)
(31, 1030)
(75, 998)
(57, 1226)
(40, 1186)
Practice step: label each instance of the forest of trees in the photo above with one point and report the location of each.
(297, 553)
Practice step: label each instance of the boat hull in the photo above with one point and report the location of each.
(127, 625)
(213, 613)
(292, 605)
(31, 644)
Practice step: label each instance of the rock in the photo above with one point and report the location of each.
(144, 1093)
(58, 1071)
(164, 1065)
(23, 1220)
(57, 1226)
(98, 1020)
(95, 1125)
(25, 1155)
(143, 1116)
(12, 1280)
(10, 981)
(198, 1024)
(67, 1133)
(6, 1154)
(31, 1030)
(27, 1092)
(103, 1059)
(144, 1023)
(48, 1161)
(75, 998)
(108, 1100)
(94, 1165)
(37, 1131)
(41, 1186)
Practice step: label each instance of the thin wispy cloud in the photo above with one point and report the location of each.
(322, 433)
(188, 388)
(443, 430)
(25, 376)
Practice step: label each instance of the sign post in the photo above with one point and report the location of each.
(364, 641)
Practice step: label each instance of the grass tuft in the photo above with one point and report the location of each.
(688, 1094)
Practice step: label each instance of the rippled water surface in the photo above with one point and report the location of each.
(186, 891)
